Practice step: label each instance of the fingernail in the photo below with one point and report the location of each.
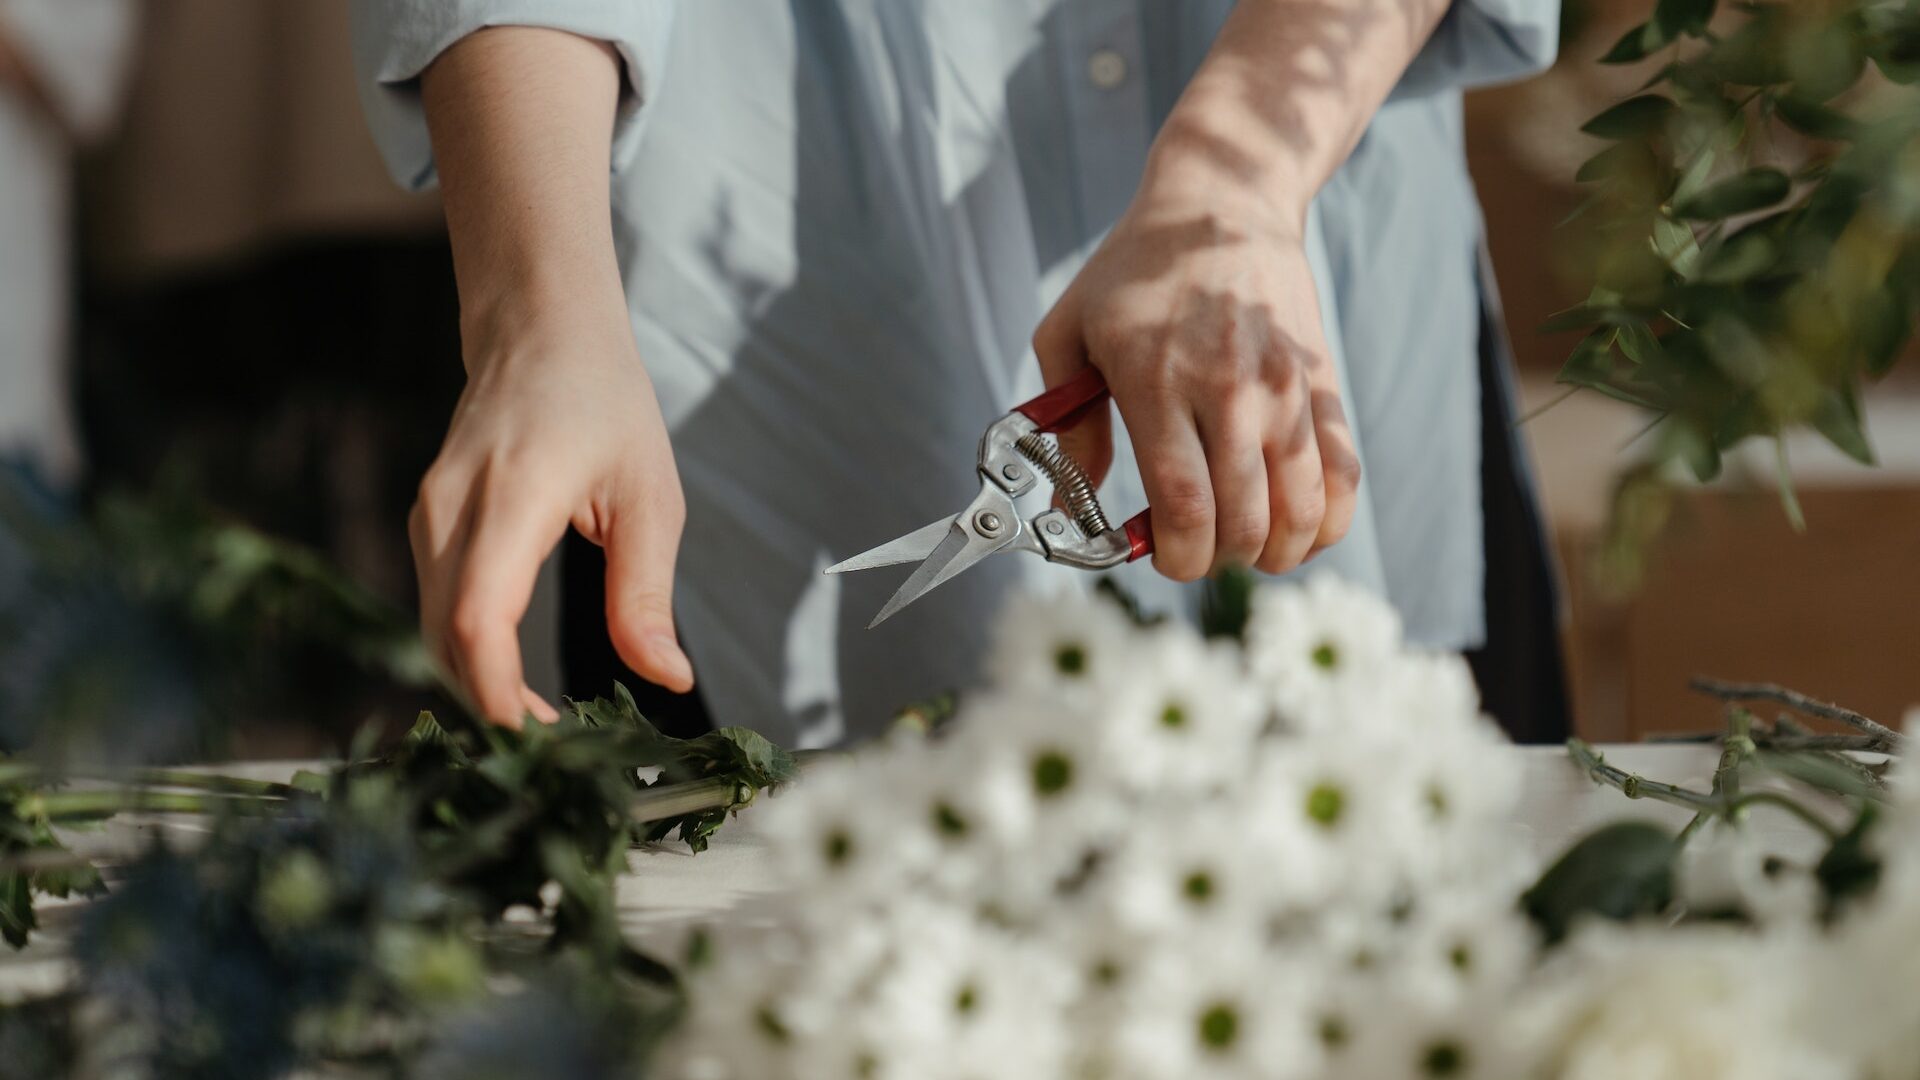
(672, 660)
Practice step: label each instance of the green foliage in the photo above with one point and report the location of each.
(1621, 872)
(1745, 284)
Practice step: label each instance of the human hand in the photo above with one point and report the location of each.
(558, 426)
(1200, 311)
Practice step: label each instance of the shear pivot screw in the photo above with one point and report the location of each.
(1012, 473)
(987, 522)
(1054, 528)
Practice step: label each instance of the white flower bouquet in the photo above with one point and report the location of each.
(1141, 853)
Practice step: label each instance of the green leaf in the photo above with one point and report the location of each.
(1619, 872)
(1838, 418)
(1638, 342)
(1752, 190)
(1746, 254)
(1675, 243)
(1676, 17)
(1632, 118)
(1635, 45)
(1849, 868)
(1814, 119)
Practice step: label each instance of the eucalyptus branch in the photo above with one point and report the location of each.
(1792, 806)
(1793, 699)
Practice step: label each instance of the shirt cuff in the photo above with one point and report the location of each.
(77, 51)
(395, 40)
(1485, 41)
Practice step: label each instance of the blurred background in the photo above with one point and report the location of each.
(204, 267)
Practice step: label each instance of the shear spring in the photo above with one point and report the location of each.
(1069, 480)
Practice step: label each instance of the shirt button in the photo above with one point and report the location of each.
(1107, 69)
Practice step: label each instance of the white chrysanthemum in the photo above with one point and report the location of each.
(1466, 1037)
(1210, 1008)
(1347, 803)
(1685, 1004)
(834, 836)
(1729, 868)
(1069, 643)
(1183, 717)
(1302, 642)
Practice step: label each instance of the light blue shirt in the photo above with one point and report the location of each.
(839, 222)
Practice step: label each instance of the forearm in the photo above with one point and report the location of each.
(1286, 92)
(522, 123)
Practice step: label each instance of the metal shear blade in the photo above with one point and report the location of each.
(944, 548)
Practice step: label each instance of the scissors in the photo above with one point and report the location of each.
(1012, 451)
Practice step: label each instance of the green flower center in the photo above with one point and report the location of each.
(1461, 957)
(839, 847)
(1325, 803)
(949, 822)
(1437, 803)
(1219, 1027)
(965, 1001)
(1333, 1032)
(1173, 716)
(1444, 1058)
(1071, 658)
(1198, 887)
(1052, 772)
(1326, 656)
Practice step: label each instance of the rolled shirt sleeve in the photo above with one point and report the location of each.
(78, 51)
(1485, 41)
(395, 40)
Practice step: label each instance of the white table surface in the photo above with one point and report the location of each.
(669, 890)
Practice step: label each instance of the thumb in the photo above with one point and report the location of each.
(642, 542)
(1060, 346)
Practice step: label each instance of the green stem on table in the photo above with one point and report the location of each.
(24, 772)
(1634, 786)
(1705, 806)
(72, 806)
(688, 797)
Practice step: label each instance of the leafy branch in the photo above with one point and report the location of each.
(1752, 229)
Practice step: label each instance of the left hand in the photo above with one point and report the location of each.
(1200, 311)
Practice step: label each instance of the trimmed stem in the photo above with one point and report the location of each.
(689, 797)
(1793, 699)
(1634, 786)
(1705, 806)
(63, 806)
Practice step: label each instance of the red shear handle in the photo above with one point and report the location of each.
(1065, 405)
(1139, 530)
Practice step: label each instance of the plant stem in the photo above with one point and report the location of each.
(1793, 699)
(69, 806)
(678, 800)
(1638, 787)
(1772, 798)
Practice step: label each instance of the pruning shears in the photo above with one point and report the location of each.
(1014, 452)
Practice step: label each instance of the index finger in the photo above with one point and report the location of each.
(513, 532)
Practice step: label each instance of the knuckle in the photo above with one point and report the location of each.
(1245, 532)
(468, 625)
(1180, 567)
(1182, 503)
(1343, 473)
(1303, 511)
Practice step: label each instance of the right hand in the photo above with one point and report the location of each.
(558, 425)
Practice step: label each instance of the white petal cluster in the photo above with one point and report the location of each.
(1139, 853)
(1142, 854)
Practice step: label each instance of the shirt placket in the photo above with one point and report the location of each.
(1104, 73)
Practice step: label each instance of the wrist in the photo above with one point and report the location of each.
(1197, 161)
(570, 310)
